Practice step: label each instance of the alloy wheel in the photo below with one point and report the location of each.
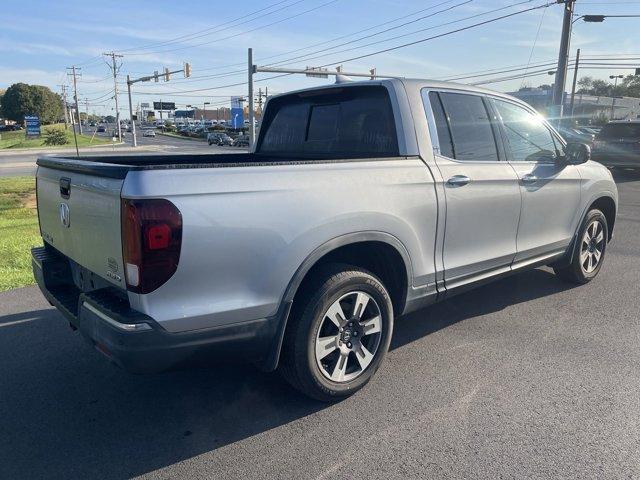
(592, 246)
(349, 336)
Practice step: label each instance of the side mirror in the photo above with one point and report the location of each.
(577, 153)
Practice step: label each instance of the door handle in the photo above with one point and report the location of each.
(529, 179)
(458, 181)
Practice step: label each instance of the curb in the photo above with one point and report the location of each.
(182, 137)
(39, 150)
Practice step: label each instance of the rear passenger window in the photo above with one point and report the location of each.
(470, 127)
(442, 125)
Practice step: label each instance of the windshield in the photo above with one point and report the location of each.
(621, 130)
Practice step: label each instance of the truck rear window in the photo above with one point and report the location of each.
(349, 122)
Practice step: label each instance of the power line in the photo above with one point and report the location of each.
(211, 30)
(356, 40)
(535, 42)
(422, 30)
(379, 33)
(240, 33)
(335, 39)
(451, 32)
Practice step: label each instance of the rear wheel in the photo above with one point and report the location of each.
(338, 334)
(588, 255)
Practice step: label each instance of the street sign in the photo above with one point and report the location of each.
(144, 105)
(319, 74)
(32, 125)
(237, 112)
(164, 105)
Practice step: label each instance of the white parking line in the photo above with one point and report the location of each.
(17, 322)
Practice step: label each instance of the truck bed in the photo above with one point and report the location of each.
(117, 166)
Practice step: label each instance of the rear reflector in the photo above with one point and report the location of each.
(151, 241)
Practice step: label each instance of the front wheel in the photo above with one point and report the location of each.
(338, 334)
(588, 255)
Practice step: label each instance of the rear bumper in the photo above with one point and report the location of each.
(135, 341)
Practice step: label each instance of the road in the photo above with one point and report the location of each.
(14, 163)
(525, 377)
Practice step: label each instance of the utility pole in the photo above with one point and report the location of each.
(114, 68)
(613, 94)
(252, 127)
(133, 122)
(64, 106)
(575, 80)
(563, 56)
(75, 95)
(86, 108)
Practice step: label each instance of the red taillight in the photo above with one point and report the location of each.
(151, 240)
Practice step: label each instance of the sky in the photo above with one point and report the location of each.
(39, 39)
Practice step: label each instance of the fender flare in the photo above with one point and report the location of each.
(566, 259)
(282, 315)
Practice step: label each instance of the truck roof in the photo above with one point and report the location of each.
(410, 83)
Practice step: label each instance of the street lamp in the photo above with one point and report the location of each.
(613, 94)
(204, 111)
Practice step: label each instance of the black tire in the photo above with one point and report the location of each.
(299, 364)
(580, 271)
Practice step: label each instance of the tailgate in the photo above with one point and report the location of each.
(80, 216)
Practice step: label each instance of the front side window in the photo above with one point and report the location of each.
(528, 138)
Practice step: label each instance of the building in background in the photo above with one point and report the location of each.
(587, 108)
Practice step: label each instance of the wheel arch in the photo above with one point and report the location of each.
(379, 252)
(607, 205)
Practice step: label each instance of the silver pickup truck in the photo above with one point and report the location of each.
(360, 202)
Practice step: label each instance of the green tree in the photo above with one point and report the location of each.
(55, 136)
(21, 99)
(631, 86)
(585, 84)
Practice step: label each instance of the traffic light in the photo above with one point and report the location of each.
(166, 74)
(187, 70)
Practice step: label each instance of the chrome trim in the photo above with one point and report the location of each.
(127, 327)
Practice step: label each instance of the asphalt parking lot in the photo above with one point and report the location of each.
(525, 377)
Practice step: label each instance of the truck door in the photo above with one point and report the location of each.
(481, 189)
(550, 189)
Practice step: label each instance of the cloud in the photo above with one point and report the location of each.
(9, 76)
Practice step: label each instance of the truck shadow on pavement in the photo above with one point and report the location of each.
(65, 412)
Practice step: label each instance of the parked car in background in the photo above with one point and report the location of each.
(147, 132)
(618, 144)
(241, 141)
(220, 139)
(590, 130)
(573, 134)
(10, 128)
(101, 129)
